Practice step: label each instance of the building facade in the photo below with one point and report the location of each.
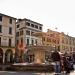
(24, 35)
(15, 37)
(7, 38)
(67, 43)
(57, 40)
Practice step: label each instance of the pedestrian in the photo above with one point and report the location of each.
(66, 65)
(70, 59)
(73, 55)
(56, 59)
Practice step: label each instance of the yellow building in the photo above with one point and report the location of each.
(67, 43)
(57, 40)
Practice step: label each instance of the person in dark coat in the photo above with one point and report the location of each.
(55, 56)
(66, 65)
(73, 58)
(56, 59)
(70, 59)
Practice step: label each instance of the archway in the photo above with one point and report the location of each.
(1, 56)
(9, 56)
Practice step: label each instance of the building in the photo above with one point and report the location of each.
(24, 36)
(58, 40)
(67, 43)
(29, 34)
(7, 38)
(25, 40)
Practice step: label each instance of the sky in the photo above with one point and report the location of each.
(52, 14)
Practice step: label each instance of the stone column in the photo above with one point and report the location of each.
(3, 57)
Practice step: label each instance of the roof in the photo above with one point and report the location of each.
(7, 16)
(33, 21)
(30, 21)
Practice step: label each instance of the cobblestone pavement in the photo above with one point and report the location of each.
(28, 73)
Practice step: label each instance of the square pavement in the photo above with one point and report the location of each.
(71, 73)
(30, 73)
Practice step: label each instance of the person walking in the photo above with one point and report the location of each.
(66, 65)
(56, 59)
(70, 59)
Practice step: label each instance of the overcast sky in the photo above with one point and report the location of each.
(50, 13)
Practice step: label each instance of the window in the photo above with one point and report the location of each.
(21, 40)
(70, 41)
(10, 21)
(70, 48)
(21, 45)
(21, 32)
(57, 41)
(0, 28)
(10, 30)
(0, 41)
(27, 32)
(66, 41)
(74, 42)
(18, 26)
(32, 42)
(43, 38)
(32, 25)
(48, 40)
(58, 48)
(63, 40)
(28, 24)
(36, 41)
(10, 42)
(54, 40)
(40, 28)
(17, 34)
(36, 26)
(0, 18)
(32, 33)
(27, 41)
(17, 42)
